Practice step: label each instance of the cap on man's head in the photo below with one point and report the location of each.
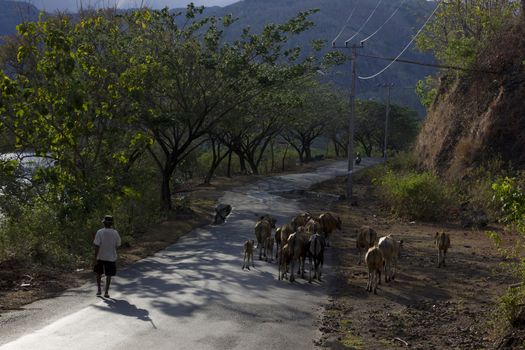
(108, 219)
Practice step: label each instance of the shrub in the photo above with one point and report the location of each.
(414, 195)
(510, 199)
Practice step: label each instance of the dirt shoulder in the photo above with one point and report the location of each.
(426, 307)
(22, 283)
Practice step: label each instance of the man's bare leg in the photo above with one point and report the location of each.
(108, 282)
(99, 290)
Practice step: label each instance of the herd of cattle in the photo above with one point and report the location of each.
(307, 236)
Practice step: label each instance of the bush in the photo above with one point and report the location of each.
(509, 197)
(414, 195)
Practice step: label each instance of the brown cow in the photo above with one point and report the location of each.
(281, 237)
(442, 242)
(313, 226)
(315, 253)
(263, 233)
(366, 238)
(300, 220)
(296, 250)
(328, 224)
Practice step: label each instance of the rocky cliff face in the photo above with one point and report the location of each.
(480, 115)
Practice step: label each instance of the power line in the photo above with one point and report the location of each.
(364, 24)
(382, 25)
(426, 64)
(406, 47)
(344, 26)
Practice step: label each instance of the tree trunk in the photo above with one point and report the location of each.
(336, 147)
(165, 197)
(229, 173)
(307, 154)
(242, 163)
(253, 165)
(284, 157)
(272, 167)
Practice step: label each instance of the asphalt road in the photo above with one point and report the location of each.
(192, 295)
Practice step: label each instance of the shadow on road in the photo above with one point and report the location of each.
(124, 308)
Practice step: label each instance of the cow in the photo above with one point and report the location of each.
(442, 242)
(328, 224)
(391, 249)
(248, 253)
(300, 220)
(366, 238)
(269, 243)
(313, 226)
(281, 237)
(374, 261)
(315, 253)
(263, 233)
(297, 248)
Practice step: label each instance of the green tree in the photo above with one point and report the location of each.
(460, 29)
(65, 102)
(189, 79)
(316, 105)
(370, 126)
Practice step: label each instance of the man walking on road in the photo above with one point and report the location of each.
(106, 242)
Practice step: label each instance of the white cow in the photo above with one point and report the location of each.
(391, 249)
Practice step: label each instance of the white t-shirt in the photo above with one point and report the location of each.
(107, 239)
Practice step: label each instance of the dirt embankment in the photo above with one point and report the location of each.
(479, 116)
(425, 307)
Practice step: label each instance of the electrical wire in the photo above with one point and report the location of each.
(344, 26)
(406, 47)
(434, 65)
(364, 24)
(382, 25)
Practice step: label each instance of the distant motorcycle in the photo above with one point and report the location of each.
(357, 159)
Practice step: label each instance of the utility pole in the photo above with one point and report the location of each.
(385, 141)
(351, 122)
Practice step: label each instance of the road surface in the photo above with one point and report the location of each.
(193, 295)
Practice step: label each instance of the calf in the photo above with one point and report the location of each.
(316, 253)
(374, 261)
(248, 253)
(328, 224)
(391, 250)
(366, 238)
(442, 241)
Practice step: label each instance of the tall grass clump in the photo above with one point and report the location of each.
(414, 195)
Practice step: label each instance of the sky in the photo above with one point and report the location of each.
(74, 5)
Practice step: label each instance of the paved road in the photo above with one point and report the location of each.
(192, 295)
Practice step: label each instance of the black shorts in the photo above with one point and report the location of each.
(108, 268)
